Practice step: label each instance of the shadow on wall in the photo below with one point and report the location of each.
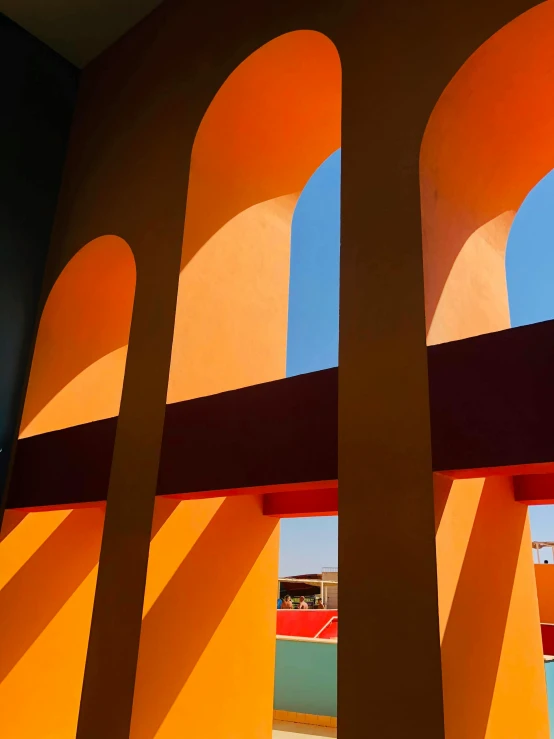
(488, 142)
(491, 650)
(48, 564)
(256, 144)
(80, 351)
(189, 596)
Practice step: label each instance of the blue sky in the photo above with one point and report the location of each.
(308, 544)
(530, 278)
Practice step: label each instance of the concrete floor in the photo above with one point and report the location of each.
(284, 730)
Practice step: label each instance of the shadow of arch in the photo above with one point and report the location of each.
(86, 320)
(472, 643)
(186, 614)
(271, 124)
(32, 598)
(487, 142)
(273, 121)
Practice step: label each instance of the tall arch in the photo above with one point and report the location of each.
(269, 127)
(80, 350)
(487, 142)
(48, 559)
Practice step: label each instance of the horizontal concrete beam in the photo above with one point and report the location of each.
(491, 413)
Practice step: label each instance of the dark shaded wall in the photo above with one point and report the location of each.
(37, 95)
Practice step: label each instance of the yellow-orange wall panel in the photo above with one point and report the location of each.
(206, 661)
(493, 673)
(48, 568)
(232, 309)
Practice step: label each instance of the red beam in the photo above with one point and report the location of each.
(534, 489)
(539, 469)
(491, 410)
(318, 502)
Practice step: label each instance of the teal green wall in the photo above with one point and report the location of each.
(549, 668)
(306, 677)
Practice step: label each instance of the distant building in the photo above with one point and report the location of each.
(312, 586)
(330, 592)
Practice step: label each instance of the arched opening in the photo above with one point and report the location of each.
(271, 127)
(488, 141)
(81, 347)
(48, 559)
(313, 315)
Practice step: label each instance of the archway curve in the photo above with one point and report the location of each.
(270, 125)
(487, 143)
(293, 85)
(80, 351)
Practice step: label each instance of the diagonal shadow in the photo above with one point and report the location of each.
(441, 490)
(39, 589)
(11, 521)
(176, 631)
(42, 586)
(474, 635)
(163, 508)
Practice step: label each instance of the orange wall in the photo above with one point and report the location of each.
(493, 672)
(487, 143)
(207, 651)
(274, 120)
(256, 146)
(79, 356)
(230, 331)
(48, 565)
(544, 575)
(232, 307)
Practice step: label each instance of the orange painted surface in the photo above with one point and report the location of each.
(487, 143)
(47, 577)
(544, 575)
(48, 567)
(232, 307)
(272, 123)
(207, 649)
(79, 358)
(256, 149)
(493, 674)
(254, 152)
(230, 331)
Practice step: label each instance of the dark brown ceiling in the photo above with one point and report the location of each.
(79, 30)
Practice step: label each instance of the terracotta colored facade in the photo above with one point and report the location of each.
(167, 279)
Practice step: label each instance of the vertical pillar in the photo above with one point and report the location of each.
(109, 680)
(389, 607)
